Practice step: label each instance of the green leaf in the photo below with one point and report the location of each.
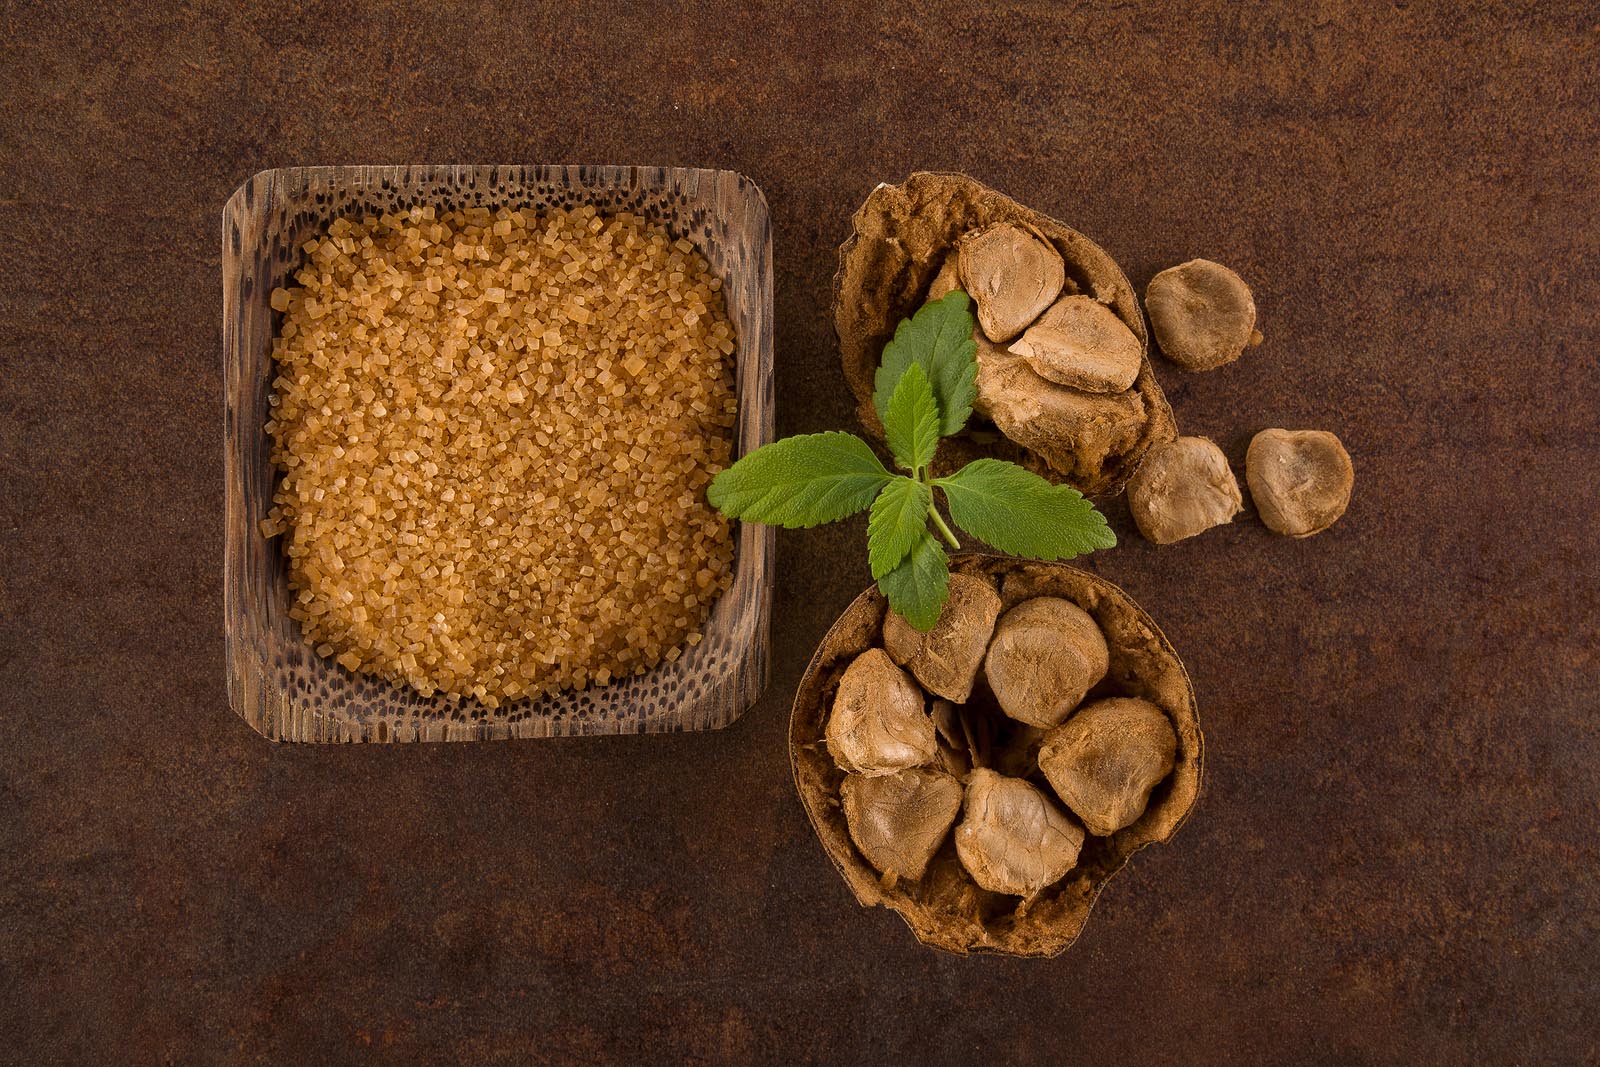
(1019, 512)
(919, 586)
(800, 481)
(912, 423)
(938, 338)
(899, 516)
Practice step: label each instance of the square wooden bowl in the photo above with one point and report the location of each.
(275, 680)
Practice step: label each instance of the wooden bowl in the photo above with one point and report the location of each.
(946, 909)
(275, 680)
(898, 240)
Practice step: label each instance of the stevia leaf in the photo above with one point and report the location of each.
(1019, 512)
(919, 586)
(938, 338)
(800, 481)
(912, 424)
(899, 516)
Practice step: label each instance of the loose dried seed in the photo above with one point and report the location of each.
(1184, 488)
(1300, 480)
(1202, 314)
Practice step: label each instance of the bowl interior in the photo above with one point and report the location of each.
(275, 681)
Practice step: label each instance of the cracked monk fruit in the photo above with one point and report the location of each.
(946, 659)
(1045, 815)
(1012, 838)
(1104, 761)
(898, 821)
(906, 246)
(925, 388)
(1080, 342)
(1013, 274)
(1046, 655)
(878, 725)
(1072, 431)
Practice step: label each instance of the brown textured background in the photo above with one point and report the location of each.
(1395, 857)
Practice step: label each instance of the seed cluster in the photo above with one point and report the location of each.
(495, 430)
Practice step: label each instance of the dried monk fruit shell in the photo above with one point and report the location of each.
(1012, 275)
(878, 725)
(1075, 433)
(1104, 761)
(948, 279)
(1012, 839)
(946, 908)
(946, 659)
(1184, 488)
(900, 240)
(1202, 313)
(1080, 342)
(898, 821)
(1047, 653)
(1300, 479)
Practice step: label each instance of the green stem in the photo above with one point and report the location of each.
(939, 524)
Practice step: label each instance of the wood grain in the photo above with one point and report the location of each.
(275, 680)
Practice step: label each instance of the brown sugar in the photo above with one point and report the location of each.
(495, 430)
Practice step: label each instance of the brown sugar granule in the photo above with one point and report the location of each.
(495, 431)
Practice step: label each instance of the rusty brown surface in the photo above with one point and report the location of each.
(1395, 855)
